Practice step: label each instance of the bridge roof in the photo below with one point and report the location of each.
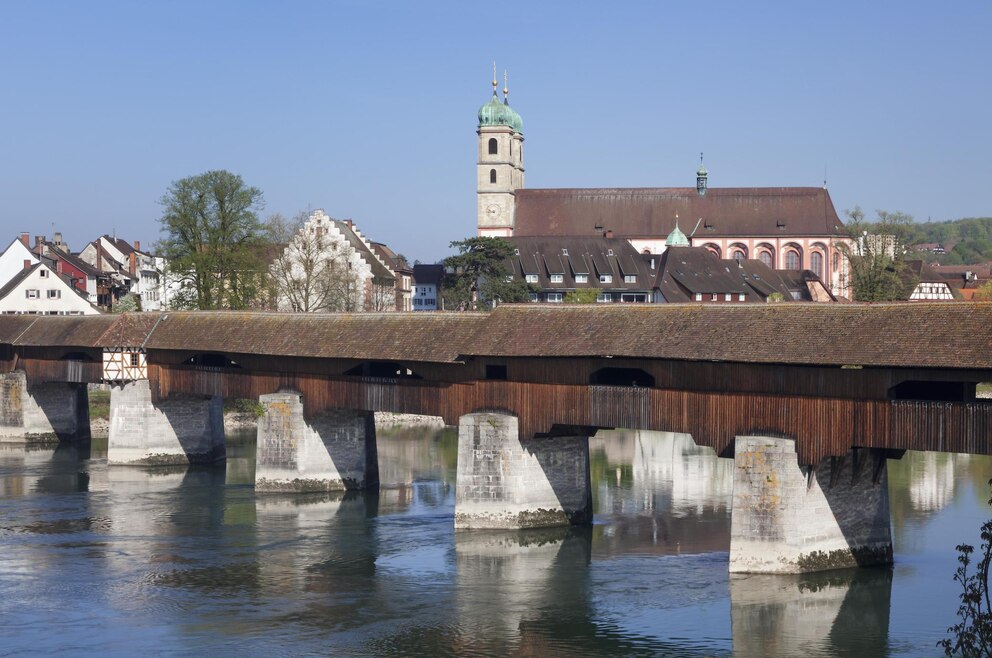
(910, 335)
(424, 337)
(924, 335)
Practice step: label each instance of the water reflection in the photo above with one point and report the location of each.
(841, 613)
(192, 560)
(660, 492)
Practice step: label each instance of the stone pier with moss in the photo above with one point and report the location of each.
(181, 429)
(333, 451)
(788, 519)
(45, 412)
(508, 482)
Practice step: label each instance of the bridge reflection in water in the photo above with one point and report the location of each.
(195, 552)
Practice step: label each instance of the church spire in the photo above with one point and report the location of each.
(701, 177)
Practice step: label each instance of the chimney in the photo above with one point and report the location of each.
(26, 239)
(609, 233)
(131, 263)
(137, 245)
(38, 239)
(27, 264)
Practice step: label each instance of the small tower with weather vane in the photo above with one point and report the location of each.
(500, 164)
(701, 176)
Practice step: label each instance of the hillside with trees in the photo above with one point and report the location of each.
(966, 241)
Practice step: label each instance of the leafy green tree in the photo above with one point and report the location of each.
(877, 256)
(972, 636)
(212, 238)
(582, 296)
(480, 275)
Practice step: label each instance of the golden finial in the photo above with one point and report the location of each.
(676, 220)
(495, 81)
(506, 89)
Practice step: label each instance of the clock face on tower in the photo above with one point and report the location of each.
(493, 210)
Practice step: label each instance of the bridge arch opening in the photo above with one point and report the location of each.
(386, 369)
(622, 377)
(211, 360)
(933, 391)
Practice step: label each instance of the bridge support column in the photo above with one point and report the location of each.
(43, 413)
(504, 481)
(791, 520)
(333, 451)
(177, 430)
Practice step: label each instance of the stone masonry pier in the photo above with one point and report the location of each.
(787, 520)
(43, 413)
(333, 451)
(177, 430)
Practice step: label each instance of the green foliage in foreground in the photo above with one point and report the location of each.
(99, 404)
(244, 406)
(972, 635)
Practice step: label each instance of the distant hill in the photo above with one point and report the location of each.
(966, 241)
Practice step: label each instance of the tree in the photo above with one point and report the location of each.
(480, 272)
(314, 272)
(280, 230)
(876, 256)
(129, 303)
(582, 296)
(972, 636)
(211, 238)
(984, 292)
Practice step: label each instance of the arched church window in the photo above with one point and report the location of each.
(766, 258)
(836, 261)
(493, 146)
(816, 263)
(492, 176)
(739, 255)
(793, 261)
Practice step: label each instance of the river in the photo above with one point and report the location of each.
(129, 561)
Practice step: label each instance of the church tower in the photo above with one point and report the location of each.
(501, 163)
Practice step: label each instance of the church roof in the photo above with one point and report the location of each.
(650, 212)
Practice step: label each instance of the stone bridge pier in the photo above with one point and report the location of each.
(787, 519)
(333, 451)
(507, 482)
(178, 430)
(42, 413)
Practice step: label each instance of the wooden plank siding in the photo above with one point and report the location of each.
(822, 426)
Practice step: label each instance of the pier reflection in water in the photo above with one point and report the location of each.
(119, 561)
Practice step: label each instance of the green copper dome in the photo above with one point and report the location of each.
(677, 238)
(499, 113)
(701, 171)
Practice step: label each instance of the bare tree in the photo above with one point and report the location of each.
(315, 273)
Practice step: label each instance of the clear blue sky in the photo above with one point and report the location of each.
(368, 109)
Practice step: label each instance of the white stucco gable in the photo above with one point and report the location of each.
(12, 260)
(39, 290)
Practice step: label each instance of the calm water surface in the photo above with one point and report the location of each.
(125, 561)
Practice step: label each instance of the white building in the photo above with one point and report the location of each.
(13, 258)
(330, 266)
(133, 271)
(39, 290)
(427, 287)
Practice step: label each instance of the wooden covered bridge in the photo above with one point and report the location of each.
(834, 383)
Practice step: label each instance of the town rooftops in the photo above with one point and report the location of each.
(650, 212)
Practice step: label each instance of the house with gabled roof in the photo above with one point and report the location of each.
(14, 257)
(39, 290)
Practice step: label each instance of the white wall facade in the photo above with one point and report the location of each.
(43, 292)
(12, 260)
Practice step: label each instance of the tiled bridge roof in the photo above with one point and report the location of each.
(913, 335)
